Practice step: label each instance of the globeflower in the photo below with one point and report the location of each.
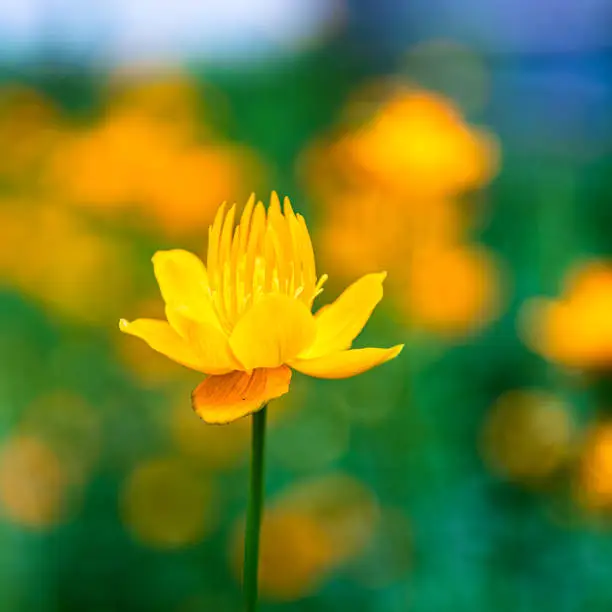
(574, 330)
(245, 318)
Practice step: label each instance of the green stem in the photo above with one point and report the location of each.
(254, 512)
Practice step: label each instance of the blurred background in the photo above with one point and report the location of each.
(464, 147)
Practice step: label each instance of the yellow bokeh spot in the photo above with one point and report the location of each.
(51, 255)
(408, 141)
(33, 483)
(111, 163)
(295, 555)
(595, 474)
(576, 329)
(151, 161)
(178, 198)
(310, 530)
(452, 291)
(166, 504)
(172, 100)
(418, 142)
(344, 507)
(392, 183)
(349, 245)
(528, 436)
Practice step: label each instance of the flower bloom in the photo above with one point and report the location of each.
(245, 318)
(574, 330)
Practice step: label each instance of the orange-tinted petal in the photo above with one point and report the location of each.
(339, 323)
(183, 283)
(273, 331)
(346, 363)
(222, 399)
(164, 339)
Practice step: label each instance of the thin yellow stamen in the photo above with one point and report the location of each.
(260, 254)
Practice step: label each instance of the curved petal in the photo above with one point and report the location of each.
(222, 399)
(346, 363)
(339, 323)
(210, 344)
(183, 283)
(162, 338)
(273, 331)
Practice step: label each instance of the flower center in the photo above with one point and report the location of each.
(261, 255)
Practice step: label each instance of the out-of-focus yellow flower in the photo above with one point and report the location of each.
(33, 483)
(595, 473)
(351, 245)
(418, 142)
(413, 142)
(528, 435)
(134, 164)
(296, 536)
(576, 329)
(319, 524)
(245, 318)
(180, 201)
(390, 189)
(172, 100)
(104, 167)
(345, 508)
(146, 160)
(54, 257)
(451, 291)
(166, 504)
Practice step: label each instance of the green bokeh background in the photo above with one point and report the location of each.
(477, 541)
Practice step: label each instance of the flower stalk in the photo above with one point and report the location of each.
(255, 510)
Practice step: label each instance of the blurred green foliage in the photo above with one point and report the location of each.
(468, 537)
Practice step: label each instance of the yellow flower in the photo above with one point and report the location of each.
(574, 330)
(245, 318)
(452, 290)
(595, 474)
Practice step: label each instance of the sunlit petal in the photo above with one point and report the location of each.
(212, 347)
(346, 363)
(160, 336)
(209, 343)
(273, 331)
(339, 323)
(183, 283)
(222, 399)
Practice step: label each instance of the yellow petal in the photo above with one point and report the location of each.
(276, 329)
(211, 346)
(339, 323)
(162, 338)
(183, 283)
(245, 222)
(346, 363)
(222, 399)
(214, 234)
